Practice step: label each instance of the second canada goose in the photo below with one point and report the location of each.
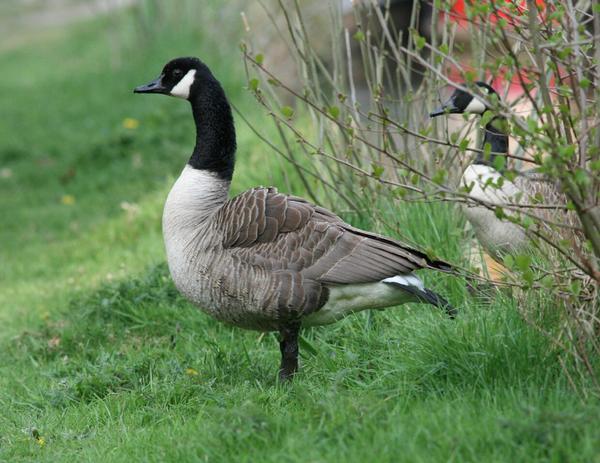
(265, 260)
(497, 236)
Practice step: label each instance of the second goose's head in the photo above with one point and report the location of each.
(463, 102)
(180, 77)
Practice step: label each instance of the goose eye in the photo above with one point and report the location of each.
(177, 72)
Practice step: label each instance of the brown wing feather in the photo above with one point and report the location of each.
(279, 232)
(535, 185)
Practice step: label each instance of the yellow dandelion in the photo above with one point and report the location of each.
(38, 438)
(68, 200)
(191, 372)
(131, 123)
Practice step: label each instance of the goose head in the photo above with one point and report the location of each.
(180, 77)
(464, 102)
(190, 79)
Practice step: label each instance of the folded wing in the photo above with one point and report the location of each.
(286, 233)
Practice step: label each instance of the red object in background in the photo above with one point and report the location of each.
(458, 9)
(458, 15)
(498, 81)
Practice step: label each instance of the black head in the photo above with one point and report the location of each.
(463, 102)
(179, 78)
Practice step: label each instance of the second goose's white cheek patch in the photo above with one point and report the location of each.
(182, 89)
(476, 106)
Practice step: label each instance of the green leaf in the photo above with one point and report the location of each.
(419, 42)
(468, 188)
(377, 170)
(487, 151)
(253, 84)
(595, 165)
(523, 262)
(499, 162)
(334, 111)
(562, 54)
(564, 90)
(259, 58)
(538, 198)
(359, 35)
(581, 177)
(532, 124)
(585, 82)
(527, 222)
(287, 111)
(400, 192)
(528, 277)
(486, 117)
(439, 176)
(547, 282)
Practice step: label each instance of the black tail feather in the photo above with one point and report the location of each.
(441, 266)
(429, 297)
(426, 295)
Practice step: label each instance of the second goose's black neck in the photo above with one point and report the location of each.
(215, 132)
(495, 135)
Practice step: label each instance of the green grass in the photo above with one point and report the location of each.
(102, 360)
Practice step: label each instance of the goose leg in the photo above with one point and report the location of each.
(289, 351)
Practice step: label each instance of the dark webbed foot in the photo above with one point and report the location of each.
(289, 352)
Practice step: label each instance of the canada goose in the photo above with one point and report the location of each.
(481, 179)
(265, 260)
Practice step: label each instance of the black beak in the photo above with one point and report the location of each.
(447, 108)
(156, 86)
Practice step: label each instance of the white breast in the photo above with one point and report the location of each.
(475, 106)
(495, 235)
(195, 196)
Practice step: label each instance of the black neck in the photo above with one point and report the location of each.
(215, 132)
(498, 140)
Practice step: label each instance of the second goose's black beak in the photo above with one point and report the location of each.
(447, 108)
(156, 86)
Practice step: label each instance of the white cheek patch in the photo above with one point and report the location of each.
(475, 106)
(182, 89)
